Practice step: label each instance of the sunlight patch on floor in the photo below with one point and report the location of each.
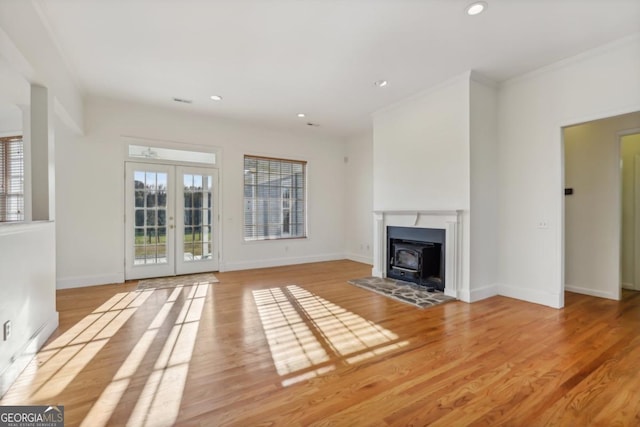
(345, 331)
(103, 408)
(293, 345)
(306, 333)
(59, 362)
(159, 402)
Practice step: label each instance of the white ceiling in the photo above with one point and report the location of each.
(271, 59)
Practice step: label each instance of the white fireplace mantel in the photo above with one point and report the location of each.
(449, 220)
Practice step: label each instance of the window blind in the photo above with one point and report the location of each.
(11, 179)
(274, 198)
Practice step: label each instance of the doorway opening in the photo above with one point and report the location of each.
(594, 237)
(630, 177)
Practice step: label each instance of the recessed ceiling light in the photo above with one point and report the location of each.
(301, 115)
(476, 8)
(216, 97)
(381, 83)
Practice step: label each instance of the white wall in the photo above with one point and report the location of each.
(90, 182)
(483, 189)
(27, 293)
(14, 94)
(531, 111)
(419, 142)
(592, 213)
(630, 148)
(89, 216)
(10, 119)
(359, 199)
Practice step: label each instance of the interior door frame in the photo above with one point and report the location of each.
(636, 223)
(636, 214)
(218, 237)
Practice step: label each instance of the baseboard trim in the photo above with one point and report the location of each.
(279, 262)
(591, 292)
(22, 359)
(626, 285)
(474, 295)
(80, 282)
(360, 258)
(531, 295)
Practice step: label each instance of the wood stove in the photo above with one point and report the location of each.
(416, 255)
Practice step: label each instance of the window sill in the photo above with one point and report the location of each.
(275, 239)
(7, 228)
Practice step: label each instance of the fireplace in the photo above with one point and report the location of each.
(417, 255)
(448, 223)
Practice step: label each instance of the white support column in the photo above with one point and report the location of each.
(42, 164)
(26, 146)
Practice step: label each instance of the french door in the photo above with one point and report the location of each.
(171, 220)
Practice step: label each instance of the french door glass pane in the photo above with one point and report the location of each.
(150, 189)
(197, 217)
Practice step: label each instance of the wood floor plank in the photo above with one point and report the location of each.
(297, 345)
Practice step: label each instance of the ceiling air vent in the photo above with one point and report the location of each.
(184, 101)
(315, 125)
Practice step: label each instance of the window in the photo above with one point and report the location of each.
(11, 179)
(158, 153)
(274, 198)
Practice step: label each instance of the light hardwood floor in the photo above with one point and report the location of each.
(299, 346)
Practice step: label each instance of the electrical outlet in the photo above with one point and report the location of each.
(7, 330)
(543, 224)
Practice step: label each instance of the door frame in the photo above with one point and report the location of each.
(636, 214)
(217, 240)
(636, 222)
